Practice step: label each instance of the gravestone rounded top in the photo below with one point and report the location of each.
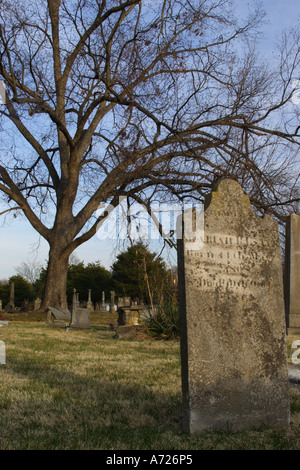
(230, 186)
(228, 191)
(229, 202)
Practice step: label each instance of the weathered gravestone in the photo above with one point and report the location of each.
(102, 308)
(80, 318)
(58, 317)
(89, 304)
(124, 302)
(292, 275)
(37, 303)
(234, 364)
(112, 301)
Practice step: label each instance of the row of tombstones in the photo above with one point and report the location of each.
(291, 284)
(99, 307)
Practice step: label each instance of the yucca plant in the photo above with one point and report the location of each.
(165, 322)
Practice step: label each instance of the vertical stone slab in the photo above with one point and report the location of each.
(112, 301)
(74, 299)
(292, 278)
(89, 304)
(11, 306)
(12, 294)
(80, 318)
(102, 308)
(233, 350)
(37, 304)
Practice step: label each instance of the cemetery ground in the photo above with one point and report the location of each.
(83, 389)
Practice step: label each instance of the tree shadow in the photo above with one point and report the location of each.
(65, 410)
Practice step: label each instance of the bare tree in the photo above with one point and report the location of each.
(30, 270)
(137, 98)
(74, 259)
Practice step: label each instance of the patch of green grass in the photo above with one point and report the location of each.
(86, 390)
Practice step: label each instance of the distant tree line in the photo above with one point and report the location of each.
(137, 273)
(24, 291)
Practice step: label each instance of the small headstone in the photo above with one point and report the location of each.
(124, 302)
(233, 349)
(80, 318)
(292, 275)
(37, 303)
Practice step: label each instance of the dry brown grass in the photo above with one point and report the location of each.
(86, 390)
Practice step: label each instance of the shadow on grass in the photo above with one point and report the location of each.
(49, 407)
(60, 409)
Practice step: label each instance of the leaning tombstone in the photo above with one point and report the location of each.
(233, 349)
(58, 317)
(292, 275)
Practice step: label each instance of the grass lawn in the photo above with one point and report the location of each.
(86, 390)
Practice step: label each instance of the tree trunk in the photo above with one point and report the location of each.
(56, 280)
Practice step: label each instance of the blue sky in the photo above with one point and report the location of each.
(18, 240)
